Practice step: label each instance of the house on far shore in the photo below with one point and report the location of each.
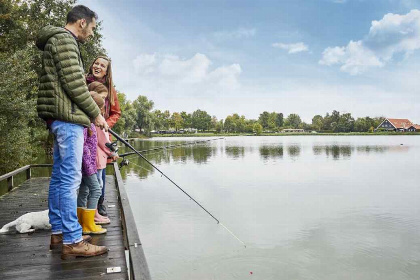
(293, 130)
(398, 125)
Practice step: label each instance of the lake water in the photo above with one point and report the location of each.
(307, 207)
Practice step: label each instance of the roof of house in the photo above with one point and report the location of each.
(416, 126)
(400, 123)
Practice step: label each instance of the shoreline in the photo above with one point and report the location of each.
(283, 134)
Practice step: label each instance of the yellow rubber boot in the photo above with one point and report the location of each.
(80, 215)
(88, 223)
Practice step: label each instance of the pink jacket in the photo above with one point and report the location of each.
(102, 152)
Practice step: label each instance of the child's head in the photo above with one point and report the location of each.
(98, 99)
(99, 88)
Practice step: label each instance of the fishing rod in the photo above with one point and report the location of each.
(170, 147)
(163, 174)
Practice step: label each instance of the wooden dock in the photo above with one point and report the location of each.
(27, 256)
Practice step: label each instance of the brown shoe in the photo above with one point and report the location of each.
(82, 249)
(57, 240)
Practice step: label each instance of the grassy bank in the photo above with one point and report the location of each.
(288, 134)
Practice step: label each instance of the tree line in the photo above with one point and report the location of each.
(140, 114)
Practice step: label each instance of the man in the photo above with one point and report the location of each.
(66, 105)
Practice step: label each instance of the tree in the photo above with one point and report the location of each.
(272, 121)
(264, 119)
(127, 120)
(345, 123)
(279, 120)
(144, 116)
(258, 128)
(214, 123)
(200, 120)
(293, 120)
(317, 122)
(229, 124)
(177, 121)
(187, 119)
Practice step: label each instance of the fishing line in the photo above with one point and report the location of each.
(163, 174)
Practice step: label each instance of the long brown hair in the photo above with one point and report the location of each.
(108, 78)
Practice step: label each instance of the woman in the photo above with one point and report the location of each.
(101, 71)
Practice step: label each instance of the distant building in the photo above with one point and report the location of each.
(293, 130)
(398, 125)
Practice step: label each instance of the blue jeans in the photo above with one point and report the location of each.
(103, 182)
(65, 180)
(89, 192)
(100, 177)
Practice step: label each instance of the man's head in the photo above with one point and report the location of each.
(82, 22)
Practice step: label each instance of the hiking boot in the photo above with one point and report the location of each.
(57, 240)
(101, 207)
(81, 249)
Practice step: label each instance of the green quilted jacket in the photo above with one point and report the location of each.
(63, 94)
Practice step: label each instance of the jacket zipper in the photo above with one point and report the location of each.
(73, 109)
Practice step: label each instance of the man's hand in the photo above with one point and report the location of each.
(100, 121)
(114, 158)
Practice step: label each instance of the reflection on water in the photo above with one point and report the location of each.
(335, 151)
(271, 152)
(235, 152)
(293, 150)
(199, 154)
(345, 151)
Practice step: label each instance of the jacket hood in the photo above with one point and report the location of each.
(46, 33)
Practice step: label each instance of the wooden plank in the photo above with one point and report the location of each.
(27, 256)
(138, 265)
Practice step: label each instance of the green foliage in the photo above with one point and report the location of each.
(317, 122)
(177, 121)
(293, 120)
(18, 86)
(264, 119)
(201, 120)
(144, 116)
(22, 133)
(257, 128)
(187, 119)
(126, 123)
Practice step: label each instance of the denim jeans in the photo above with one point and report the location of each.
(100, 177)
(65, 180)
(103, 182)
(89, 192)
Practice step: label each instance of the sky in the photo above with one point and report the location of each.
(306, 57)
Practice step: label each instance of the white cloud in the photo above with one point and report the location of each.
(355, 58)
(144, 63)
(239, 33)
(292, 48)
(391, 35)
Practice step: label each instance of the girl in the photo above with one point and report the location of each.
(90, 189)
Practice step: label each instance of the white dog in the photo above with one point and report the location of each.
(29, 222)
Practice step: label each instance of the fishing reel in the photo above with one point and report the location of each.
(123, 163)
(113, 147)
